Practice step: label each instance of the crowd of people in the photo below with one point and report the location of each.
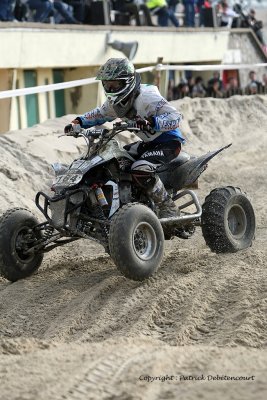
(82, 11)
(135, 12)
(47, 11)
(216, 87)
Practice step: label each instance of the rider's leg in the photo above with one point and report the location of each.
(154, 156)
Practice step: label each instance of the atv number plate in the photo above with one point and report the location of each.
(85, 165)
(69, 179)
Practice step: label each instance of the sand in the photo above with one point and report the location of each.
(77, 329)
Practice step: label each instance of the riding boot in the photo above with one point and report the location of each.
(165, 206)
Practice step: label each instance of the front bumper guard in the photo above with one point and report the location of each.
(68, 206)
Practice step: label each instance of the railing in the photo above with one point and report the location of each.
(156, 68)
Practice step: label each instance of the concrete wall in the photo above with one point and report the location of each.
(50, 47)
(249, 54)
(82, 98)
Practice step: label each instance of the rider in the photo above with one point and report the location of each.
(161, 139)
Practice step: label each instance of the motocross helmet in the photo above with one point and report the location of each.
(120, 82)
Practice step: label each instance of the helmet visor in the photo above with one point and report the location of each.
(113, 86)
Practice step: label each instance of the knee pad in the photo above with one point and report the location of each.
(144, 174)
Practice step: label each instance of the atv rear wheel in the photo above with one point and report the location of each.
(136, 241)
(15, 226)
(228, 220)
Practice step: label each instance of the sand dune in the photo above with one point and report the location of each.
(77, 329)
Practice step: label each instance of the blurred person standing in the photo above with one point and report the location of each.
(200, 9)
(180, 91)
(65, 12)
(172, 4)
(232, 87)
(161, 9)
(227, 14)
(21, 10)
(214, 90)
(199, 89)
(190, 83)
(254, 85)
(255, 24)
(215, 77)
(203, 7)
(264, 81)
(79, 8)
(189, 10)
(7, 10)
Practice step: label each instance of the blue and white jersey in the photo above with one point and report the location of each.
(149, 103)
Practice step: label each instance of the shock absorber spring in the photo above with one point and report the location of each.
(99, 214)
(101, 197)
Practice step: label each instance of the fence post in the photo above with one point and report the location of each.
(161, 78)
(158, 72)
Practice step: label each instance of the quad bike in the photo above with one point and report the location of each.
(97, 198)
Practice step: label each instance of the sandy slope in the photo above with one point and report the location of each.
(79, 330)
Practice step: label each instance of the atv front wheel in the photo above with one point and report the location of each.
(136, 241)
(228, 220)
(15, 235)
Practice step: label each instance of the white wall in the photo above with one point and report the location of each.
(84, 45)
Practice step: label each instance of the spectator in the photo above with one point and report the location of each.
(172, 4)
(264, 81)
(200, 9)
(64, 13)
(180, 91)
(146, 12)
(189, 10)
(198, 88)
(21, 10)
(253, 84)
(133, 7)
(42, 9)
(172, 9)
(190, 83)
(256, 25)
(216, 77)
(79, 8)
(227, 14)
(205, 13)
(214, 90)
(161, 9)
(7, 10)
(232, 87)
(207, 3)
(252, 88)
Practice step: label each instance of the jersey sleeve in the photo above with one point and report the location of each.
(165, 116)
(97, 116)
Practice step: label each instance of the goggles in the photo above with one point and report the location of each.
(113, 86)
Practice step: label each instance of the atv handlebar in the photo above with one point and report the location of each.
(77, 130)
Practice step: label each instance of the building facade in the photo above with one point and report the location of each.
(41, 54)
